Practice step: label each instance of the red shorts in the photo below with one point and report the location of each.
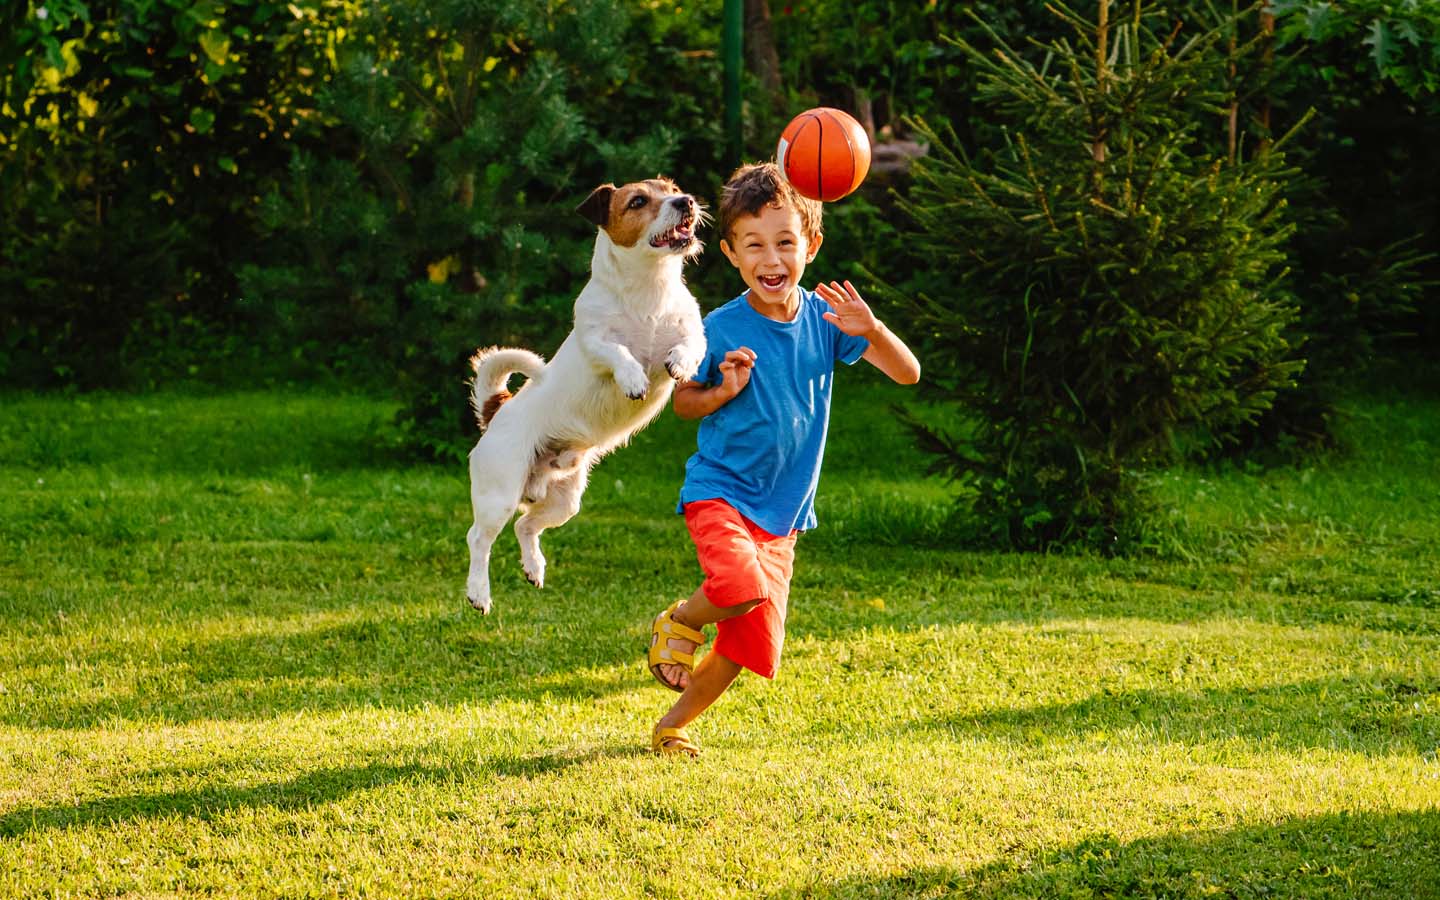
(743, 562)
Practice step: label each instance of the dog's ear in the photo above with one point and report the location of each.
(596, 207)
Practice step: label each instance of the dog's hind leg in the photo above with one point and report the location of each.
(497, 476)
(560, 503)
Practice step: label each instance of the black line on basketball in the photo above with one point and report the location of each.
(851, 145)
(820, 159)
(795, 146)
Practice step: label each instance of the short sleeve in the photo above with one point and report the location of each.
(709, 372)
(848, 348)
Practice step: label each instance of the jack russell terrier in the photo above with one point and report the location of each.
(637, 332)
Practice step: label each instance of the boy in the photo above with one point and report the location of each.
(763, 391)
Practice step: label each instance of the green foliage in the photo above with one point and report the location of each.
(893, 56)
(1105, 293)
(1368, 232)
(886, 50)
(132, 136)
(1358, 309)
(1400, 39)
(463, 135)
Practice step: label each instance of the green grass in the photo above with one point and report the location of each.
(236, 661)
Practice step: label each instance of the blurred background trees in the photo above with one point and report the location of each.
(240, 191)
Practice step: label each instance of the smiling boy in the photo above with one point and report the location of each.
(763, 394)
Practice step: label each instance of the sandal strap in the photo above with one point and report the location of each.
(662, 629)
(662, 653)
(677, 738)
(666, 626)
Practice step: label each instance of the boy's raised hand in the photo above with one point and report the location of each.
(735, 369)
(848, 312)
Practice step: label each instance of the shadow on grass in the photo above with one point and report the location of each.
(1370, 715)
(1342, 855)
(311, 789)
(398, 661)
(304, 792)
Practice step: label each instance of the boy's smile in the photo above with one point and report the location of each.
(771, 251)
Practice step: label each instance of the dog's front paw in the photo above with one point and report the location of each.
(632, 381)
(682, 365)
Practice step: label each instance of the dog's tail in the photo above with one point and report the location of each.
(493, 367)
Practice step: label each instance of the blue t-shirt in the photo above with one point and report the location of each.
(761, 452)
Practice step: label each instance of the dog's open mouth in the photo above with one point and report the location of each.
(676, 238)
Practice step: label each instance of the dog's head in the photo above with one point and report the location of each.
(652, 215)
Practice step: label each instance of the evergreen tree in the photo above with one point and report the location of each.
(1106, 289)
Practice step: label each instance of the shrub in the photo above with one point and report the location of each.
(1103, 292)
(132, 137)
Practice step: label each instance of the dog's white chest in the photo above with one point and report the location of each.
(650, 338)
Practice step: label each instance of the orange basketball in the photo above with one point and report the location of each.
(824, 153)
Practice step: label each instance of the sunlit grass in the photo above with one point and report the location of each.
(235, 660)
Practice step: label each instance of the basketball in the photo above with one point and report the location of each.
(824, 153)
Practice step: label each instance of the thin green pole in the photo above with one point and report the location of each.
(733, 46)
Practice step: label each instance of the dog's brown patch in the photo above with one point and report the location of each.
(627, 225)
(492, 406)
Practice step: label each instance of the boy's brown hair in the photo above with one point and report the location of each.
(761, 184)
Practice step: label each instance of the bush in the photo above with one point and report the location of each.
(1104, 293)
(132, 137)
(1360, 268)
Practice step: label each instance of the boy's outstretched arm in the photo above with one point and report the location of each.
(852, 315)
(694, 400)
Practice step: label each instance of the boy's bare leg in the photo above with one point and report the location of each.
(697, 612)
(712, 676)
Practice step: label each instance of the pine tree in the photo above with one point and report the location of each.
(1105, 290)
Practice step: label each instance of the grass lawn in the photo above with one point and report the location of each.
(236, 661)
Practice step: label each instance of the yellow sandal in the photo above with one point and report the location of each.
(672, 742)
(661, 653)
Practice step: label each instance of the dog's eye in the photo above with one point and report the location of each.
(638, 201)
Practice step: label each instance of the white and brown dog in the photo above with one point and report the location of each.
(637, 331)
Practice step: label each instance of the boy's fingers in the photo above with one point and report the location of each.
(735, 360)
(850, 289)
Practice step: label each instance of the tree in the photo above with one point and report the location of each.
(1103, 291)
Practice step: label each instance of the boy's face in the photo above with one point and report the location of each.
(771, 251)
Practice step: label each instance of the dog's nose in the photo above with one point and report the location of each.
(684, 201)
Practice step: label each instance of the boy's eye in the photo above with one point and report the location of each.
(638, 201)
